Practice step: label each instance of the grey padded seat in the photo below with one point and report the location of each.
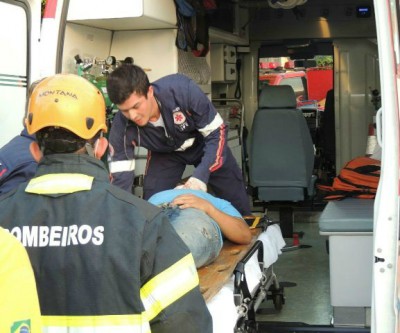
(348, 215)
(281, 154)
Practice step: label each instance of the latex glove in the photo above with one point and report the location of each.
(194, 184)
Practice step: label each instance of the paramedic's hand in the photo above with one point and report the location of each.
(194, 184)
(192, 201)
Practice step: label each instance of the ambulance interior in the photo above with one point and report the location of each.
(322, 278)
(241, 33)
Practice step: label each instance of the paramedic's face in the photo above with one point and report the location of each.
(138, 108)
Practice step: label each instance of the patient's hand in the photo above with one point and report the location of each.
(192, 201)
(233, 228)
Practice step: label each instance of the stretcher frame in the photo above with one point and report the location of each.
(248, 301)
(213, 276)
(232, 261)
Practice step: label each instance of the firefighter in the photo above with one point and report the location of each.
(178, 125)
(19, 304)
(104, 260)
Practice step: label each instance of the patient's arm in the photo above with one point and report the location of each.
(233, 228)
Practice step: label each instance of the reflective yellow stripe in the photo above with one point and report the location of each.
(156, 295)
(96, 324)
(58, 183)
(169, 286)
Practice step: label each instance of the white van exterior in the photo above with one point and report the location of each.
(19, 36)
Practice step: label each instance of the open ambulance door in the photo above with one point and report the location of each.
(385, 300)
(52, 37)
(19, 37)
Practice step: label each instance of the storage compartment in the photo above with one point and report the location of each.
(223, 63)
(348, 224)
(123, 14)
(350, 264)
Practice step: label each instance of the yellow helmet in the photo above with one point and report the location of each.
(68, 101)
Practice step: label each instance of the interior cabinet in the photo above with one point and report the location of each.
(123, 14)
(223, 63)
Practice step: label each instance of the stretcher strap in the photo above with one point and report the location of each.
(258, 221)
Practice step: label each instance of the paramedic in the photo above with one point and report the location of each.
(179, 126)
(19, 304)
(16, 162)
(96, 270)
(202, 221)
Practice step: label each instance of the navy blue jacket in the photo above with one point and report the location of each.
(16, 162)
(102, 257)
(190, 120)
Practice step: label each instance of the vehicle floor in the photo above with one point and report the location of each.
(304, 273)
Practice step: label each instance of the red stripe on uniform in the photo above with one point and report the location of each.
(148, 161)
(219, 160)
(50, 9)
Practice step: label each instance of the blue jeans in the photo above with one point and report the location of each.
(198, 231)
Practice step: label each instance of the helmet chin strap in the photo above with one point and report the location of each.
(89, 149)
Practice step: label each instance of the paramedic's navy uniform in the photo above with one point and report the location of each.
(16, 162)
(194, 134)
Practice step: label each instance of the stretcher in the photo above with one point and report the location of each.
(242, 277)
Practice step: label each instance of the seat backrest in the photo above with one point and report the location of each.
(277, 97)
(281, 153)
(327, 132)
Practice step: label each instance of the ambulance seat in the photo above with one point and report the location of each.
(327, 135)
(281, 154)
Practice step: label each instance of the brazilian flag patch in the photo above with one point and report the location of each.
(22, 326)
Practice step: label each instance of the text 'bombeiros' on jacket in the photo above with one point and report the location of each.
(103, 259)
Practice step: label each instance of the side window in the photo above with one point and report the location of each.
(13, 69)
(297, 84)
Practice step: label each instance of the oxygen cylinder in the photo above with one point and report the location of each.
(101, 83)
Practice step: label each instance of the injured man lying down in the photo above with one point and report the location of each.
(202, 221)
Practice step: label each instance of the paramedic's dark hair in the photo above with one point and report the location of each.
(124, 81)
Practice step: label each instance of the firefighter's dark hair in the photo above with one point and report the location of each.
(57, 140)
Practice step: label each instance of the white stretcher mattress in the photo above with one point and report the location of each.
(221, 306)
